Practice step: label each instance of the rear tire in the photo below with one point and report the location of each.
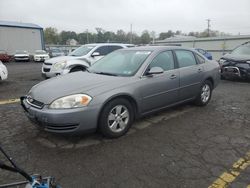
(205, 94)
(116, 118)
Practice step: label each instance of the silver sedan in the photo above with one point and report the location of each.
(121, 87)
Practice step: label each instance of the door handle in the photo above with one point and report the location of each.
(173, 76)
(199, 70)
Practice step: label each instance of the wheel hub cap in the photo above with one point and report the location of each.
(118, 118)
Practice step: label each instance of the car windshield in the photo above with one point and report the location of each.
(120, 63)
(40, 52)
(83, 50)
(242, 50)
(21, 52)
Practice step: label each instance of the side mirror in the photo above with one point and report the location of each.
(95, 54)
(155, 70)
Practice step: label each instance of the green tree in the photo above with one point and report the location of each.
(145, 37)
(51, 35)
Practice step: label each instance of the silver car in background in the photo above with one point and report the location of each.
(78, 60)
(121, 87)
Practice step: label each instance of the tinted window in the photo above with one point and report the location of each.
(200, 59)
(201, 51)
(164, 60)
(185, 58)
(113, 48)
(103, 50)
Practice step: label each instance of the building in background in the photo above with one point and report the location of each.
(71, 42)
(217, 46)
(21, 36)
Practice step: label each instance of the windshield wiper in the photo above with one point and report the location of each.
(106, 73)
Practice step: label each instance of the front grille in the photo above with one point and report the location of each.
(21, 57)
(35, 103)
(46, 69)
(58, 128)
(47, 63)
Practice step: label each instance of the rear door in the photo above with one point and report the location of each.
(191, 74)
(162, 89)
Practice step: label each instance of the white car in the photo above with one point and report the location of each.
(3, 71)
(41, 55)
(21, 55)
(78, 60)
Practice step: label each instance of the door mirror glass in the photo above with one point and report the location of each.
(95, 54)
(155, 70)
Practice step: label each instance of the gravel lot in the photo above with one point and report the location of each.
(187, 146)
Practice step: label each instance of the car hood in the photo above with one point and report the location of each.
(17, 55)
(60, 59)
(236, 57)
(74, 83)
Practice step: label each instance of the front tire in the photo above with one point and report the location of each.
(116, 118)
(205, 94)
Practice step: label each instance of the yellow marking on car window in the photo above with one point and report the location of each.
(9, 101)
(228, 177)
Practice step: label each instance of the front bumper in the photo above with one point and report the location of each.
(49, 72)
(234, 72)
(73, 121)
(40, 59)
(22, 58)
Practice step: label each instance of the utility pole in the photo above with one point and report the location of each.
(208, 27)
(87, 36)
(131, 34)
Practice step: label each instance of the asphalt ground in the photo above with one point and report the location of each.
(186, 146)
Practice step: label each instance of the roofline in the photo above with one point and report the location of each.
(176, 40)
(26, 27)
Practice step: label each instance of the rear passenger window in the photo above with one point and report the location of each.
(185, 58)
(200, 59)
(113, 48)
(103, 50)
(164, 60)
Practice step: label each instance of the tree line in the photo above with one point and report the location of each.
(52, 36)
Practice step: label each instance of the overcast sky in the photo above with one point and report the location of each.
(230, 16)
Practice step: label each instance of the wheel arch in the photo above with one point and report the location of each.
(211, 80)
(124, 96)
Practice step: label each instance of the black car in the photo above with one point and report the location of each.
(237, 63)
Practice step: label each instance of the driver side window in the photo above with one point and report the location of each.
(165, 60)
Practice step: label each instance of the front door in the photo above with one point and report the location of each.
(160, 90)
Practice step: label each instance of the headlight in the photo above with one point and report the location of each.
(221, 61)
(60, 65)
(72, 101)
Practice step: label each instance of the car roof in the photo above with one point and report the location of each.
(105, 44)
(158, 48)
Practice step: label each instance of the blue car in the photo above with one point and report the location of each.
(205, 53)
